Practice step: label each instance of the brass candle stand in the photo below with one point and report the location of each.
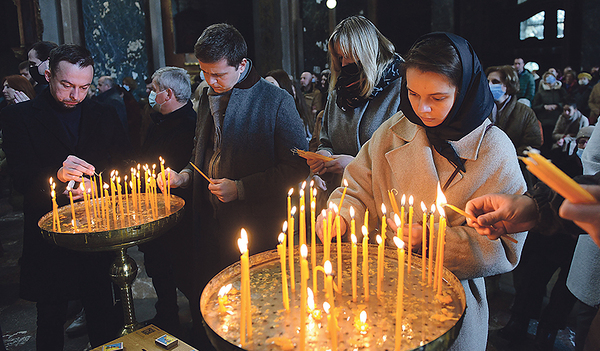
(115, 232)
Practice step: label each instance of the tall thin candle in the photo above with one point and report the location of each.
(379, 263)
(365, 265)
(303, 286)
(291, 248)
(284, 286)
(400, 294)
(424, 242)
(431, 240)
(410, 240)
(338, 237)
(70, 190)
(313, 242)
(354, 262)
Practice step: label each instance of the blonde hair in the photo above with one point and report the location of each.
(358, 38)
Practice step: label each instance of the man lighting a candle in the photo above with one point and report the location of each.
(62, 134)
(245, 130)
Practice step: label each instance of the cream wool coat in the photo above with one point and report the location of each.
(399, 156)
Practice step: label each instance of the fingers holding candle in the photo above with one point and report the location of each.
(72, 169)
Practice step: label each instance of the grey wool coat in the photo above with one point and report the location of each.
(400, 156)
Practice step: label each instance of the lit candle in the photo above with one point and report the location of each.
(365, 265)
(325, 251)
(330, 214)
(289, 204)
(338, 237)
(133, 196)
(126, 195)
(112, 197)
(55, 219)
(329, 282)
(303, 286)
(379, 263)
(313, 241)
(138, 175)
(122, 210)
(223, 297)
(246, 318)
(331, 326)
(302, 219)
(169, 190)
(102, 198)
(424, 242)
(291, 248)
(354, 262)
(70, 190)
(383, 222)
(361, 323)
(441, 199)
(343, 193)
(107, 207)
(164, 179)
(284, 286)
(410, 240)
(400, 295)
(316, 313)
(402, 203)
(86, 204)
(431, 240)
(366, 220)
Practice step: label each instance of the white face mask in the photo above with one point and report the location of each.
(583, 81)
(580, 152)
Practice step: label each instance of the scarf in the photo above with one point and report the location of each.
(348, 85)
(472, 105)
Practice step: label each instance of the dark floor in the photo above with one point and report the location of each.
(18, 317)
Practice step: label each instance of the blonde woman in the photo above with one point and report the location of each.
(364, 92)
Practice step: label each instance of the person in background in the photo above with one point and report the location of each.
(38, 57)
(17, 88)
(108, 92)
(442, 137)
(547, 105)
(567, 127)
(594, 104)
(364, 92)
(581, 93)
(526, 80)
(169, 260)
(281, 79)
(24, 71)
(312, 94)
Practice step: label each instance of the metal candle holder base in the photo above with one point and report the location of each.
(109, 235)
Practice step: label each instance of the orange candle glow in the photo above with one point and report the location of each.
(400, 294)
(303, 286)
(365, 265)
(291, 248)
(284, 286)
(410, 240)
(361, 323)
(246, 321)
(222, 297)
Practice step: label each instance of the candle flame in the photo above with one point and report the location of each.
(243, 245)
(403, 200)
(432, 208)
(310, 299)
(352, 212)
(365, 231)
(397, 219)
(315, 192)
(301, 208)
(303, 251)
(423, 207)
(312, 205)
(326, 307)
(379, 240)
(399, 243)
(345, 183)
(440, 201)
(291, 192)
(353, 238)
(244, 235)
(303, 185)
(105, 186)
(333, 207)
(324, 213)
(53, 193)
(327, 267)
(293, 212)
(224, 290)
(411, 200)
(284, 226)
(312, 183)
(383, 209)
(301, 193)
(281, 237)
(363, 316)
(50, 180)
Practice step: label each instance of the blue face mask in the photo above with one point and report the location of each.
(580, 152)
(152, 100)
(550, 79)
(497, 91)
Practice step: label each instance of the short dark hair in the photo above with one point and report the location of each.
(23, 65)
(42, 49)
(571, 102)
(437, 55)
(74, 54)
(509, 78)
(220, 41)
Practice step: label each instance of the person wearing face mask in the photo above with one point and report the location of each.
(517, 120)
(38, 57)
(547, 104)
(364, 92)
(581, 93)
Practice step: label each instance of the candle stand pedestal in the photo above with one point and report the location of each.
(129, 230)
